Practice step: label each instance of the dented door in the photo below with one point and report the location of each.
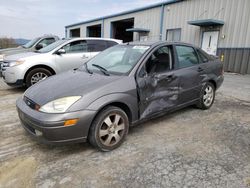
(158, 90)
(157, 93)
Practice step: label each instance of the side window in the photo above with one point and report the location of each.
(110, 43)
(96, 45)
(203, 57)
(159, 61)
(76, 47)
(46, 41)
(186, 56)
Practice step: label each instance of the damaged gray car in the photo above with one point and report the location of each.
(122, 86)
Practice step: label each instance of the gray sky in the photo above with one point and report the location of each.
(32, 18)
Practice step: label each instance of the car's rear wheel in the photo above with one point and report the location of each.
(36, 75)
(207, 96)
(109, 129)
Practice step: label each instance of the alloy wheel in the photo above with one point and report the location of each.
(112, 129)
(39, 76)
(208, 96)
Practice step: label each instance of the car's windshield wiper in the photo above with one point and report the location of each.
(104, 71)
(86, 67)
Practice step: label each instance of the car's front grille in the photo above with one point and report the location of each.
(31, 103)
(4, 65)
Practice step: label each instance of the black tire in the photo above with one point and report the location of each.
(110, 134)
(37, 71)
(203, 103)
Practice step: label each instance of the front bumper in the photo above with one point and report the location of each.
(50, 129)
(13, 76)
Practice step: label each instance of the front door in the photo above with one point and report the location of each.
(210, 42)
(157, 83)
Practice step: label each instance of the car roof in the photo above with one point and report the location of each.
(156, 43)
(95, 38)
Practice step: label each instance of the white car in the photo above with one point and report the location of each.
(32, 67)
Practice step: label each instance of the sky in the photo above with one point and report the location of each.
(31, 18)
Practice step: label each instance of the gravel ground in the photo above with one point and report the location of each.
(188, 148)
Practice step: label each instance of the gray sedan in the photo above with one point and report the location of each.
(120, 87)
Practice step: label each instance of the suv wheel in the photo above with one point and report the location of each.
(36, 75)
(109, 129)
(207, 96)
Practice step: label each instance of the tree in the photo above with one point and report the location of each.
(7, 43)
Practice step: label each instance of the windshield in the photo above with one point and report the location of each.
(51, 46)
(30, 43)
(118, 59)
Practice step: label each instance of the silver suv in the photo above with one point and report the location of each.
(33, 45)
(32, 67)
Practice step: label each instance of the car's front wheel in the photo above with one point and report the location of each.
(36, 75)
(207, 96)
(109, 129)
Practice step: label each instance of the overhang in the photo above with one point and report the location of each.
(139, 30)
(206, 22)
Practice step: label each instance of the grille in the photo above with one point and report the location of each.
(31, 103)
(4, 65)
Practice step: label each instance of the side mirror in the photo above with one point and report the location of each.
(39, 46)
(61, 51)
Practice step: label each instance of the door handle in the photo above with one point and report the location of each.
(200, 69)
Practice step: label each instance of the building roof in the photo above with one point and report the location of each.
(126, 12)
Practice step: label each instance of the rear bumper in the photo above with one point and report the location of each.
(49, 128)
(219, 81)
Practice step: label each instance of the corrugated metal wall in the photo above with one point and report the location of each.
(147, 19)
(234, 44)
(235, 13)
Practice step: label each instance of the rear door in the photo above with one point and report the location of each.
(76, 54)
(191, 73)
(158, 83)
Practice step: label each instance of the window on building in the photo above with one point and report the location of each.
(173, 34)
(187, 56)
(75, 32)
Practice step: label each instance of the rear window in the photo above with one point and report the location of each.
(204, 57)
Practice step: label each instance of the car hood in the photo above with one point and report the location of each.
(71, 83)
(20, 56)
(10, 51)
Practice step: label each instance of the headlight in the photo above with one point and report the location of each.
(59, 105)
(15, 63)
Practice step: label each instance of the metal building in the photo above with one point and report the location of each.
(220, 27)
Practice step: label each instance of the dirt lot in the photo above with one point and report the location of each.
(188, 148)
